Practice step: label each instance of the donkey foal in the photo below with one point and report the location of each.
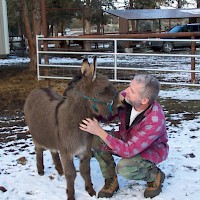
(53, 122)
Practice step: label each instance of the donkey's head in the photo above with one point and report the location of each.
(97, 90)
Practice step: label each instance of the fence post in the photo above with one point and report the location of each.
(193, 48)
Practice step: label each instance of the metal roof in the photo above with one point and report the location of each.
(155, 13)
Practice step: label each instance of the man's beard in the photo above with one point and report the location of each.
(134, 104)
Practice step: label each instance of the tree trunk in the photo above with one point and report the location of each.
(198, 6)
(198, 3)
(36, 31)
(87, 17)
(27, 28)
(36, 18)
(87, 24)
(56, 34)
(32, 31)
(98, 28)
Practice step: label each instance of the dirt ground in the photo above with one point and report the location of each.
(16, 82)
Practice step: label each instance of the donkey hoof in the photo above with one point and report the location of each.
(70, 195)
(41, 173)
(70, 198)
(60, 172)
(91, 191)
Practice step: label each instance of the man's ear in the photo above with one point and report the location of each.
(145, 100)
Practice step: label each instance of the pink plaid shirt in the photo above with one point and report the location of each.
(146, 136)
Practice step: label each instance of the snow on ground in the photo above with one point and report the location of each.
(182, 168)
(12, 60)
(181, 94)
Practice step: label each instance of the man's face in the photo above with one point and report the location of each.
(133, 95)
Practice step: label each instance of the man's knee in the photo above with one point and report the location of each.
(127, 168)
(135, 168)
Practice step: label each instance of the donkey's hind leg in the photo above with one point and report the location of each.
(57, 162)
(39, 159)
(85, 172)
(70, 174)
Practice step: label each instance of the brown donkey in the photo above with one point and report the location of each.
(53, 122)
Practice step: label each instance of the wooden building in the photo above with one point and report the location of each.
(133, 15)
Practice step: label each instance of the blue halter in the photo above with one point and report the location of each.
(96, 101)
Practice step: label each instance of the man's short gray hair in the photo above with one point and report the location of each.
(151, 86)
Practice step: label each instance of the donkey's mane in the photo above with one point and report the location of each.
(72, 83)
(101, 82)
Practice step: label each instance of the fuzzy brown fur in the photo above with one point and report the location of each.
(53, 122)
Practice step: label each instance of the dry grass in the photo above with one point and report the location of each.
(15, 85)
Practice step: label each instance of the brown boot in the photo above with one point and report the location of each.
(111, 186)
(155, 187)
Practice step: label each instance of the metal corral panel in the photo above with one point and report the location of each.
(155, 13)
(4, 37)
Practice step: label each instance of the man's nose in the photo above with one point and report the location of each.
(127, 90)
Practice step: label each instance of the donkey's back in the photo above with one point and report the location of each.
(40, 115)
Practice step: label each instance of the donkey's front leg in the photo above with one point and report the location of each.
(70, 174)
(85, 172)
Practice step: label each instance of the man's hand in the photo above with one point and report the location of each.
(92, 126)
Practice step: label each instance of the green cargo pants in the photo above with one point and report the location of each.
(135, 168)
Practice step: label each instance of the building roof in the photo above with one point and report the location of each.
(155, 13)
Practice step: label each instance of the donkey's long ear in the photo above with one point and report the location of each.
(89, 70)
(86, 69)
(94, 68)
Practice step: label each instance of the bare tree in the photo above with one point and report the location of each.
(32, 28)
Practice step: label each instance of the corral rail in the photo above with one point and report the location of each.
(119, 58)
